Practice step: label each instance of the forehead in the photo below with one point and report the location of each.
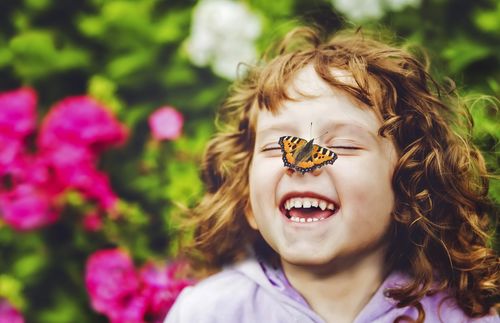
(315, 101)
(308, 83)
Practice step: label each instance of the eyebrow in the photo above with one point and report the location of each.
(333, 126)
(282, 128)
(358, 128)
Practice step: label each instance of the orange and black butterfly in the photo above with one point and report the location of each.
(304, 156)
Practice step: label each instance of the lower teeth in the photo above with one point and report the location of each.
(304, 220)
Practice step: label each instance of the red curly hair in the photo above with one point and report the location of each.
(441, 232)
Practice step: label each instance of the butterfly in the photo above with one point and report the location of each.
(304, 156)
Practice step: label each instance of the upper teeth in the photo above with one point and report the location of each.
(307, 202)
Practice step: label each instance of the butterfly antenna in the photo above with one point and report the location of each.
(321, 135)
(310, 132)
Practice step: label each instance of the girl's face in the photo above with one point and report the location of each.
(357, 186)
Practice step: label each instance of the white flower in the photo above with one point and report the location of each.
(397, 5)
(358, 10)
(223, 33)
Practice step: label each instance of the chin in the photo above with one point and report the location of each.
(306, 259)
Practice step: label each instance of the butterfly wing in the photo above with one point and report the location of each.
(290, 145)
(322, 156)
(316, 158)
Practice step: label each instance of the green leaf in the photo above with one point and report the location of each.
(5, 57)
(179, 73)
(10, 288)
(173, 27)
(104, 90)
(461, 53)
(488, 20)
(28, 265)
(192, 145)
(91, 26)
(37, 4)
(126, 65)
(131, 16)
(35, 55)
(184, 185)
(64, 309)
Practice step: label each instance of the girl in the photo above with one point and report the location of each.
(396, 229)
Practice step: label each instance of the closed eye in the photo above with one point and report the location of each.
(344, 147)
(270, 148)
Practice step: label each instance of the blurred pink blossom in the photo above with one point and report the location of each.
(94, 185)
(28, 196)
(166, 123)
(32, 169)
(8, 314)
(74, 167)
(81, 121)
(72, 135)
(117, 290)
(17, 121)
(10, 149)
(18, 113)
(65, 156)
(129, 311)
(113, 286)
(92, 221)
(27, 207)
(161, 288)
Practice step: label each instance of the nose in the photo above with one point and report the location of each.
(314, 172)
(317, 171)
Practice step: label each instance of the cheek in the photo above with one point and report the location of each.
(263, 178)
(365, 186)
(264, 173)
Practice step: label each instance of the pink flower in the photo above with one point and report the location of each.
(129, 311)
(66, 156)
(93, 184)
(17, 121)
(74, 167)
(92, 221)
(113, 286)
(10, 149)
(9, 314)
(18, 113)
(74, 132)
(81, 121)
(34, 171)
(166, 123)
(27, 207)
(161, 287)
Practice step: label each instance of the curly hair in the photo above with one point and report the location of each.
(441, 235)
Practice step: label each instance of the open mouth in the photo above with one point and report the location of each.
(307, 209)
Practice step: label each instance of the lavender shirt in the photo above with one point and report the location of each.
(253, 292)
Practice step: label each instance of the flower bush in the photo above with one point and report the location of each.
(72, 135)
(8, 314)
(125, 294)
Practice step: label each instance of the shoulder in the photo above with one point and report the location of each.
(438, 307)
(243, 293)
(221, 294)
(441, 307)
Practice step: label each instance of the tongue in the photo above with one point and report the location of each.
(310, 213)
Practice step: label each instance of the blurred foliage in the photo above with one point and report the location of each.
(131, 55)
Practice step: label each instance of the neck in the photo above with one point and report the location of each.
(339, 294)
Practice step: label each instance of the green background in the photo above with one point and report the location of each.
(132, 56)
